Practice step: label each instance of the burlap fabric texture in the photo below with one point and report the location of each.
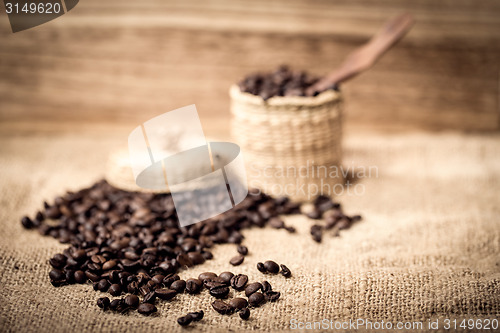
(287, 136)
(427, 248)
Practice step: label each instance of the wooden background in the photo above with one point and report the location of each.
(125, 61)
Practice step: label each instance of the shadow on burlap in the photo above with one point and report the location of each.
(427, 247)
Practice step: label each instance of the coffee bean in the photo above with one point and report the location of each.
(158, 279)
(193, 286)
(266, 286)
(150, 297)
(252, 287)
(245, 314)
(109, 265)
(115, 289)
(285, 271)
(271, 267)
(219, 291)
(27, 222)
(256, 299)
(238, 303)
(132, 300)
(272, 296)
(315, 215)
(222, 307)
(185, 320)
(79, 255)
(165, 294)
(169, 279)
(239, 281)
(207, 276)
(226, 277)
(178, 286)
(237, 260)
(57, 275)
(261, 267)
(92, 276)
(146, 308)
(276, 223)
(317, 232)
(103, 303)
(103, 285)
(115, 303)
(196, 316)
(58, 261)
(79, 276)
(243, 250)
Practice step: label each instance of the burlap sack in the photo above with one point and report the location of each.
(287, 140)
(427, 248)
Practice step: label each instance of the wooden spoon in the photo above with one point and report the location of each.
(367, 55)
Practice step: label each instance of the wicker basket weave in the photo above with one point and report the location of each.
(290, 144)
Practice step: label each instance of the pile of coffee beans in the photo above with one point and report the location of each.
(281, 82)
(131, 246)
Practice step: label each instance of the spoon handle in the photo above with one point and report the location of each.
(367, 55)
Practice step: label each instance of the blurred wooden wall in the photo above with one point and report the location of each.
(125, 61)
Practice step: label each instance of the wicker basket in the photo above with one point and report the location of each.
(291, 145)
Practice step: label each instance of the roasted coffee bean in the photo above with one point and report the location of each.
(150, 297)
(79, 276)
(196, 316)
(167, 281)
(243, 250)
(92, 276)
(193, 286)
(158, 279)
(272, 267)
(285, 271)
(103, 303)
(290, 229)
(238, 303)
(115, 303)
(207, 276)
(115, 289)
(133, 287)
(185, 320)
(252, 287)
(276, 223)
(226, 277)
(196, 258)
(261, 267)
(79, 255)
(219, 291)
(244, 314)
(103, 285)
(209, 284)
(165, 294)
(58, 261)
(272, 296)
(239, 281)
(57, 275)
(27, 222)
(256, 299)
(146, 308)
(109, 265)
(132, 301)
(237, 260)
(317, 232)
(178, 286)
(266, 286)
(315, 214)
(222, 307)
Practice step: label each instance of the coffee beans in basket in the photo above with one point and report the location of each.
(130, 245)
(281, 82)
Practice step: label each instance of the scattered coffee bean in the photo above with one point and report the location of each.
(266, 286)
(272, 296)
(196, 316)
(220, 291)
(285, 271)
(103, 303)
(132, 301)
(146, 308)
(239, 281)
(256, 299)
(185, 320)
(222, 307)
(207, 276)
(271, 267)
(243, 250)
(238, 303)
(261, 267)
(193, 286)
(226, 277)
(237, 260)
(245, 314)
(115, 289)
(150, 297)
(165, 294)
(103, 285)
(276, 223)
(80, 277)
(178, 286)
(317, 232)
(27, 222)
(252, 287)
